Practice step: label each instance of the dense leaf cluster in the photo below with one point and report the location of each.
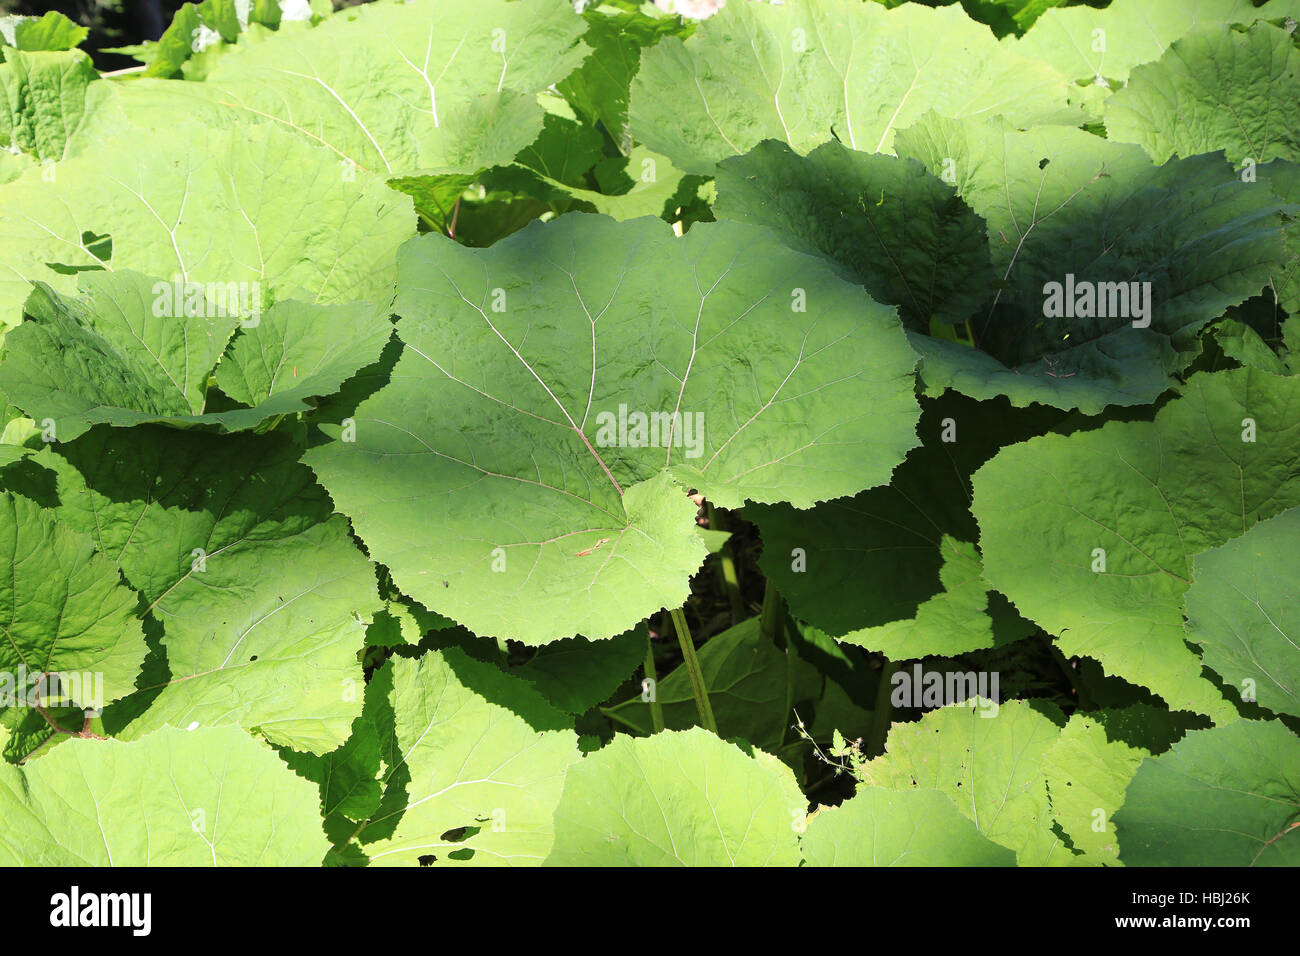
(489, 432)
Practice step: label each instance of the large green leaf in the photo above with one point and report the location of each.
(1241, 611)
(1087, 771)
(502, 415)
(136, 350)
(1064, 205)
(213, 797)
(464, 746)
(196, 202)
(42, 99)
(807, 72)
(261, 594)
(1084, 42)
(576, 674)
(598, 89)
(1150, 495)
(989, 763)
(433, 86)
(879, 827)
(895, 568)
(65, 610)
(53, 31)
(1221, 797)
(1215, 89)
(901, 232)
(679, 798)
(1128, 367)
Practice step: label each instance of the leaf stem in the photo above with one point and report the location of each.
(656, 708)
(727, 565)
(882, 714)
(692, 665)
(772, 621)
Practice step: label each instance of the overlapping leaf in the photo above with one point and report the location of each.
(1048, 509)
(503, 415)
(895, 568)
(679, 798)
(195, 202)
(66, 611)
(1215, 89)
(1064, 206)
(1085, 42)
(42, 99)
(136, 350)
(473, 765)
(261, 594)
(991, 767)
(1241, 611)
(899, 231)
(434, 86)
(807, 72)
(1221, 797)
(213, 797)
(879, 827)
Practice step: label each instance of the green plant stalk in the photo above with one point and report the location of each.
(692, 665)
(772, 622)
(656, 708)
(881, 716)
(727, 566)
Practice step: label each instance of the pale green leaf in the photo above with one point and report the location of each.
(503, 414)
(1092, 535)
(679, 798)
(214, 797)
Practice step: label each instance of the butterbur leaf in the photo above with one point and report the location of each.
(576, 674)
(297, 351)
(261, 594)
(348, 777)
(1182, 243)
(193, 201)
(1124, 368)
(989, 761)
(213, 797)
(901, 232)
(135, 350)
(805, 72)
(598, 89)
(895, 568)
(514, 409)
(53, 31)
(1214, 89)
(1087, 771)
(458, 78)
(1092, 535)
(474, 762)
(107, 358)
(1221, 797)
(1241, 611)
(679, 798)
(1084, 42)
(66, 610)
(42, 99)
(879, 827)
